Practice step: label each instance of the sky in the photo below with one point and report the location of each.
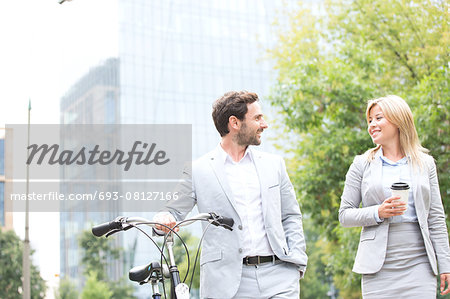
(45, 48)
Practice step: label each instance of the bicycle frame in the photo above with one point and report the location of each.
(173, 269)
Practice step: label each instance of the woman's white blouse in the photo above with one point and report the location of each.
(394, 172)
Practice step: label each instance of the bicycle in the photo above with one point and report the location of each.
(156, 272)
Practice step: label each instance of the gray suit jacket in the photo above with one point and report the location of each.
(363, 185)
(221, 258)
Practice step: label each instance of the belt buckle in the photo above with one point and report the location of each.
(257, 262)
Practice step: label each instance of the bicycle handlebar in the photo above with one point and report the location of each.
(124, 223)
(104, 228)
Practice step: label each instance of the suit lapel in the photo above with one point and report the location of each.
(415, 175)
(376, 175)
(219, 170)
(263, 180)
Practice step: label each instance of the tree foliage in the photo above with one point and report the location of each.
(330, 62)
(95, 288)
(11, 252)
(317, 282)
(66, 290)
(97, 254)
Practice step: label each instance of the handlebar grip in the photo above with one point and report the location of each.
(226, 222)
(104, 228)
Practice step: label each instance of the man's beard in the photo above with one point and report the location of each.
(244, 137)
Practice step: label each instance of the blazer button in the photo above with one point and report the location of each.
(240, 227)
(240, 250)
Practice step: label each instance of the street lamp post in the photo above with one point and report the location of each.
(26, 244)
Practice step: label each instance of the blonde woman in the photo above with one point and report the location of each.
(402, 247)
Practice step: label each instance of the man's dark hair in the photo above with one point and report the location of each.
(232, 103)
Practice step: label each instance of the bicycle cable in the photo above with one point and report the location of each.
(161, 249)
(196, 255)
(185, 248)
(145, 233)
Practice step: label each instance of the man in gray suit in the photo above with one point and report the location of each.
(264, 256)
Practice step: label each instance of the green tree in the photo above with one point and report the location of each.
(122, 289)
(95, 288)
(11, 251)
(329, 64)
(66, 290)
(316, 284)
(97, 254)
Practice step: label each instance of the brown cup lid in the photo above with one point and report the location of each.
(400, 186)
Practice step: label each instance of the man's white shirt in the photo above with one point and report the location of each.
(244, 182)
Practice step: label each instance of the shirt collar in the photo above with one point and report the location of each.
(223, 155)
(402, 161)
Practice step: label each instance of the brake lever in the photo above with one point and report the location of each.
(112, 232)
(124, 228)
(127, 227)
(226, 226)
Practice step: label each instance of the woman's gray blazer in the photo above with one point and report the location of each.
(363, 186)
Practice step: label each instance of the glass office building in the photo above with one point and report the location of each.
(2, 182)
(91, 100)
(177, 57)
(6, 216)
(174, 59)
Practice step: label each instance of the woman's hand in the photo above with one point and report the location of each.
(445, 277)
(391, 207)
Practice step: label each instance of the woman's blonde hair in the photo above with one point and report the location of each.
(397, 111)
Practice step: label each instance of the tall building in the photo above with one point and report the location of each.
(174, 59)
(6, 218)
(92, 100)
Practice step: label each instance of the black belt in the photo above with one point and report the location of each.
(256, 260)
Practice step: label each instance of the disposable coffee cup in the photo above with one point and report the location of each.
(402, 190)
